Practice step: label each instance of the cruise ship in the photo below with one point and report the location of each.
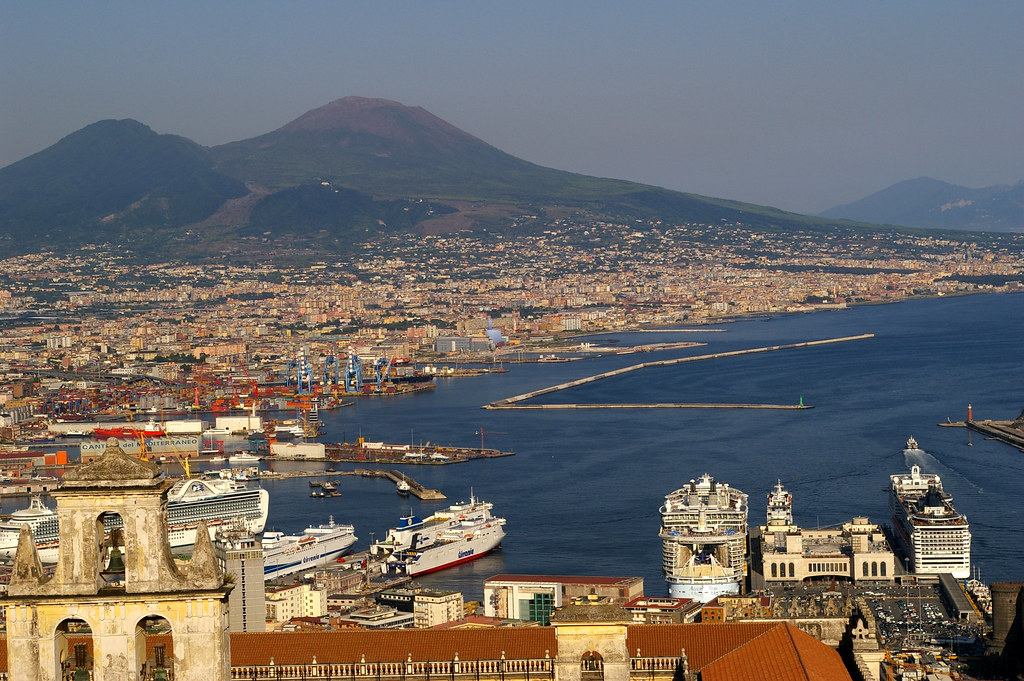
(932, 535)
(704, 539)
(217, 501)
(458, 534)
(287, 554)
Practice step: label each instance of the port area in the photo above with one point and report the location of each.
(514, 402)
(380, 452)
(1010, 432)
(415, 488)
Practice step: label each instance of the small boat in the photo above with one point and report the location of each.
(911, 443)
(243, 457)
(329, 489)
(402, 487)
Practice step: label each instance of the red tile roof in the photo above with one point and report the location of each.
(784, 653)
(760, 651)
(391, 645)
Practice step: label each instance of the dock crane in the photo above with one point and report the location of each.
(382, 368)
(481, 432)
(329, 361)
(353, 373)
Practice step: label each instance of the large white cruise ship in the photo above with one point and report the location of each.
(457, 534)
(931, 533)
(217, 501)
(704, 539)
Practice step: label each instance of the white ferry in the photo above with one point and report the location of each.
(458, 534)
(216, 501)
(704, 537)
(932, 535)
(287, 554)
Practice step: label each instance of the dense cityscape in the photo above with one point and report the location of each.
(101, 337)
(99, 309)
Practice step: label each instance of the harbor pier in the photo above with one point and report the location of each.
(415, 488)
(513, 402)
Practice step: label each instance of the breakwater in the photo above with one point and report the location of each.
(514, 402)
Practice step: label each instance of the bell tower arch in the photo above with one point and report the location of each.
(113, 584)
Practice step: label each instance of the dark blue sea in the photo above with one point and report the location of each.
(581, 495)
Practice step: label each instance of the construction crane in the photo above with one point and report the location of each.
(255, 386)
(481, 432)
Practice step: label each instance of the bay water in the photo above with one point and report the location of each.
(582, 492)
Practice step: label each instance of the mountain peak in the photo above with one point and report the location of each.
(379, 117)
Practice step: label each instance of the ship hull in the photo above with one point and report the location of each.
(291, 557)
(440, 558)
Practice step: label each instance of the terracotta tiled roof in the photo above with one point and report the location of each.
(762, 651)
(391, 646)
(703, 643)
(783, 653)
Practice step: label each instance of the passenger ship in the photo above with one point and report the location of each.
(217, 501)
(704, 537)
(458, 534)
(933, 536)
(318, 544)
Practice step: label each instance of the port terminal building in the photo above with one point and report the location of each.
(857, 551)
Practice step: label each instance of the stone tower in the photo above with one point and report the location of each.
(41, 610)
(591, 643)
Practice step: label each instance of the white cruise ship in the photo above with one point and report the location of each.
(932, 535)
(704, 538)
(217, 501)
(287, 554)
(458, 534)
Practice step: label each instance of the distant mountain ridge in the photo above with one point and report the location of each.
(111, 175)
(335, 175)
(931, 204)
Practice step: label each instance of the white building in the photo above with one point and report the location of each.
(431, 608)
(299, 600)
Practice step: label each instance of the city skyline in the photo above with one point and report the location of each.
(795, 105)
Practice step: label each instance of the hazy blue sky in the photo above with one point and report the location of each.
(800, 105)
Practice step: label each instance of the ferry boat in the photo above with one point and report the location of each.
(704, 537)
(911, 443)
(243, 457)
(151, 429)
(931, 534)
(217, 501)
(458, 534)
(318, 544)
(402, 488)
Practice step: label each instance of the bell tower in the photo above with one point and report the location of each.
(108, 584)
